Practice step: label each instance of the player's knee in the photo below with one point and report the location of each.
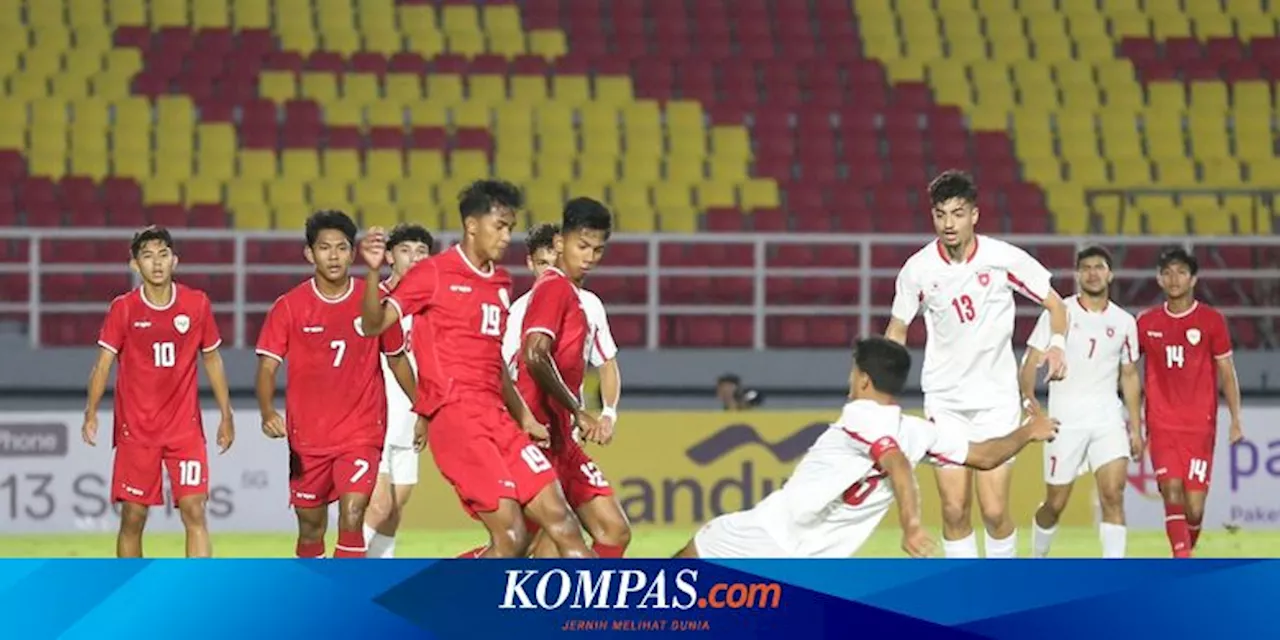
(1111, 500)
(192, 513)
(613, 532)
(1173, 493)
(510, 541)
(133, 518)
(351, 514)
(955, 513)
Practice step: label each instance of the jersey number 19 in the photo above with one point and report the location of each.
(490, 319)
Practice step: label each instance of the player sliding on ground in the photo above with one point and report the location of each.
(407, 245)
(1102, 352)
(158, 331)
(963, 284)
(335, 396)
(551, 363)
(846, 482)
(1187, 349)
(480, 430)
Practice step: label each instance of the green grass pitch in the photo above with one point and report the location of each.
(648, 542)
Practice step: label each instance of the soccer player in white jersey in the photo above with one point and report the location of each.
(963, 284)
(407, 245)
(847, 480)
(1102, 351)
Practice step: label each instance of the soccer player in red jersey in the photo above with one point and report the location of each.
(480, 429)
(1188, 358)
(335, 395)
(552, 362)
(158, 331)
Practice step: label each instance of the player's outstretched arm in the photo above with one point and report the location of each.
(375, 317)
(265, 389)
(519, 410)
(97, 388)
(1056, 353)
(903, 480)
(990, 454)
(401, 369)
(217, 373)
(542, 366)
(896, 331)
(610, 396)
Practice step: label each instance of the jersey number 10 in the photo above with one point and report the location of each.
(1173, 356)
(164, 353)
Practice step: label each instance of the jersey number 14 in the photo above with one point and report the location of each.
(1173, 356)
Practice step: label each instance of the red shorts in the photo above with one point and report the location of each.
(485, 455)
(579, 476)
(135, 474)
(1182, 454)
(316, 480)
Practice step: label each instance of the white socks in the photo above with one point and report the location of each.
(966, 547)
(1002, 547)
(1041, 539)
(1113, 539)
(380, 546)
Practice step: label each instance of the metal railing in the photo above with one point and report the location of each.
(866, 308)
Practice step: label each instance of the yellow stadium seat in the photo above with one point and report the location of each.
(370, 192)
(427, 44)
(1209, 98)
(1130, 172)
(385, 114)
(127, 13)
(384, 215)
(252, 217)
(303, 40)
(635, 218)
(384, 165)
(250, 14)
(291, 216)
(281, 193)
(502, 19)
(614, 90)
(473, 115)
(445, 89)
(426, 165)
(402, 88)
(1209, 138)
(1176, 173)
(678, 219)
(517, 145)
(328, 194)
(1090, 172)
(300, 165)
(1167, 96)
(528, 90)
(156, 191)
(259, 164)
(486, 89)
(643, 169)
(198, 191)
(1221, 172)
(468, 44)
(548, 43)
(80, 63)
(554, 169)
(728, 169)
(278, 86)
(570, 90)
(346, 40)
(94, 165)
(517, 169)
(730, 142)
(172, 165)
(513, 119)
(1167, 223)
(168, 13)
(715, 194)
(245, 191)
(342, 165)
(207, 14)
(344, 113)
(361, 88)
(428, 215)
(628, 194)
(460, 19)
(413, 192)
(1043, 170)
(597, 171)
(1253, 140)
(671, 196)
(758, 193)
(320, 86)
(469, 165)
(1249, 28)
(1213, 25)
(428, 114)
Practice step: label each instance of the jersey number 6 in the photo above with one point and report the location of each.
(857, 494)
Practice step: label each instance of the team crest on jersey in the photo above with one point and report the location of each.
(1111, 332)
(359, 325)
(504, 298)
(1193, 336)
(182, 323)
(984, 279)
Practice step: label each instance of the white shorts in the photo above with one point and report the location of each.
(977, 424)
(737, 535)
(1078, 450)
(400, 463)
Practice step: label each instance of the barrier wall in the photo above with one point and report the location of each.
(670, 469)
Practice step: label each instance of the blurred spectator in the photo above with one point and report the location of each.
(734, 396)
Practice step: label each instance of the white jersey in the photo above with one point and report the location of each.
(600, 345)
(836, 496)
(969, 312)
(1098, 344)
(400, 415)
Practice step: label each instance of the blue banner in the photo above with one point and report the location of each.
(247, 599)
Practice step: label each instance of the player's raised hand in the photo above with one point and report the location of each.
(273, 425)
(90, 429)
(917, 543)
(1055, 360)
(1236, 434)
(420, 434)
(373, 247)
(226, 433)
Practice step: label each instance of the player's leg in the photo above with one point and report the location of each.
(508, 537)
(188, 468)
(398, 474)
(690, 550)
(549, 510)
(379, 511)
(1110, 479)
(137, 485)
(994, 485)
(310, 484)
(354, 474)
(1199, 453)
(1062, 459)
(1171, 467)
(955, 491)
(592, 499)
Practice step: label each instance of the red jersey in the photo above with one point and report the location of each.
(556, 310)
(157, 385)
(334, 396)
(457, 334)
(1181, 370)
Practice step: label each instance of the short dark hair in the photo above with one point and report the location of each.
(953, 183)
(729, 378)
(330, 219)
(886, 362)
(481, 196)
(1093, 251)
(542, 236)
(1173, 255)
(410, 232)
(149, 234)
(585, 213)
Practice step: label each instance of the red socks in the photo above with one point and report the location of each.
(350, 545)
(472, 554)
(1195, 534)
(1175, 526)
(607, 550)
(309, 549)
